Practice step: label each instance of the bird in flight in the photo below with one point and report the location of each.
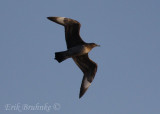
(78, 50)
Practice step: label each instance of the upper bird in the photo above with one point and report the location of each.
(78, 50)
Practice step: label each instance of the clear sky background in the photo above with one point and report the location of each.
(128, 76)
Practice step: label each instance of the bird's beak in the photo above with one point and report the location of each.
(98, 45)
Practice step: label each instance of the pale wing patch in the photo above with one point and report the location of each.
(86, 83)
(60, 20)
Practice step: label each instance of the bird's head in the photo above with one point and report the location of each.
(92, 45)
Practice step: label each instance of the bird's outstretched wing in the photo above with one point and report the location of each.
(72, 28)
(89, 68)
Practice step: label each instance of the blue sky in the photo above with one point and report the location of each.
(128, 77)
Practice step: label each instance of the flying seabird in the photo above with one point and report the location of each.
(78, 50)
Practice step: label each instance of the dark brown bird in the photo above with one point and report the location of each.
(77, 50)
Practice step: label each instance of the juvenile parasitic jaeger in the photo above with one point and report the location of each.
(77, 50)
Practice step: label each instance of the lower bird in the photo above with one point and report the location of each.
(78, 50)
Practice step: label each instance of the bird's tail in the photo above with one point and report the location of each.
(61, 56)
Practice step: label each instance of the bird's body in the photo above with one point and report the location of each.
(73, 52)
(77, 50)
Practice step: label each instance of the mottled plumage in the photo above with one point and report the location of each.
(77, 50)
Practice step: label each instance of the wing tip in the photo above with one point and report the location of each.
(82, 91)
(80, 96)
(48, 18)
(58, 20)
(84, 87)
(52, 18)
